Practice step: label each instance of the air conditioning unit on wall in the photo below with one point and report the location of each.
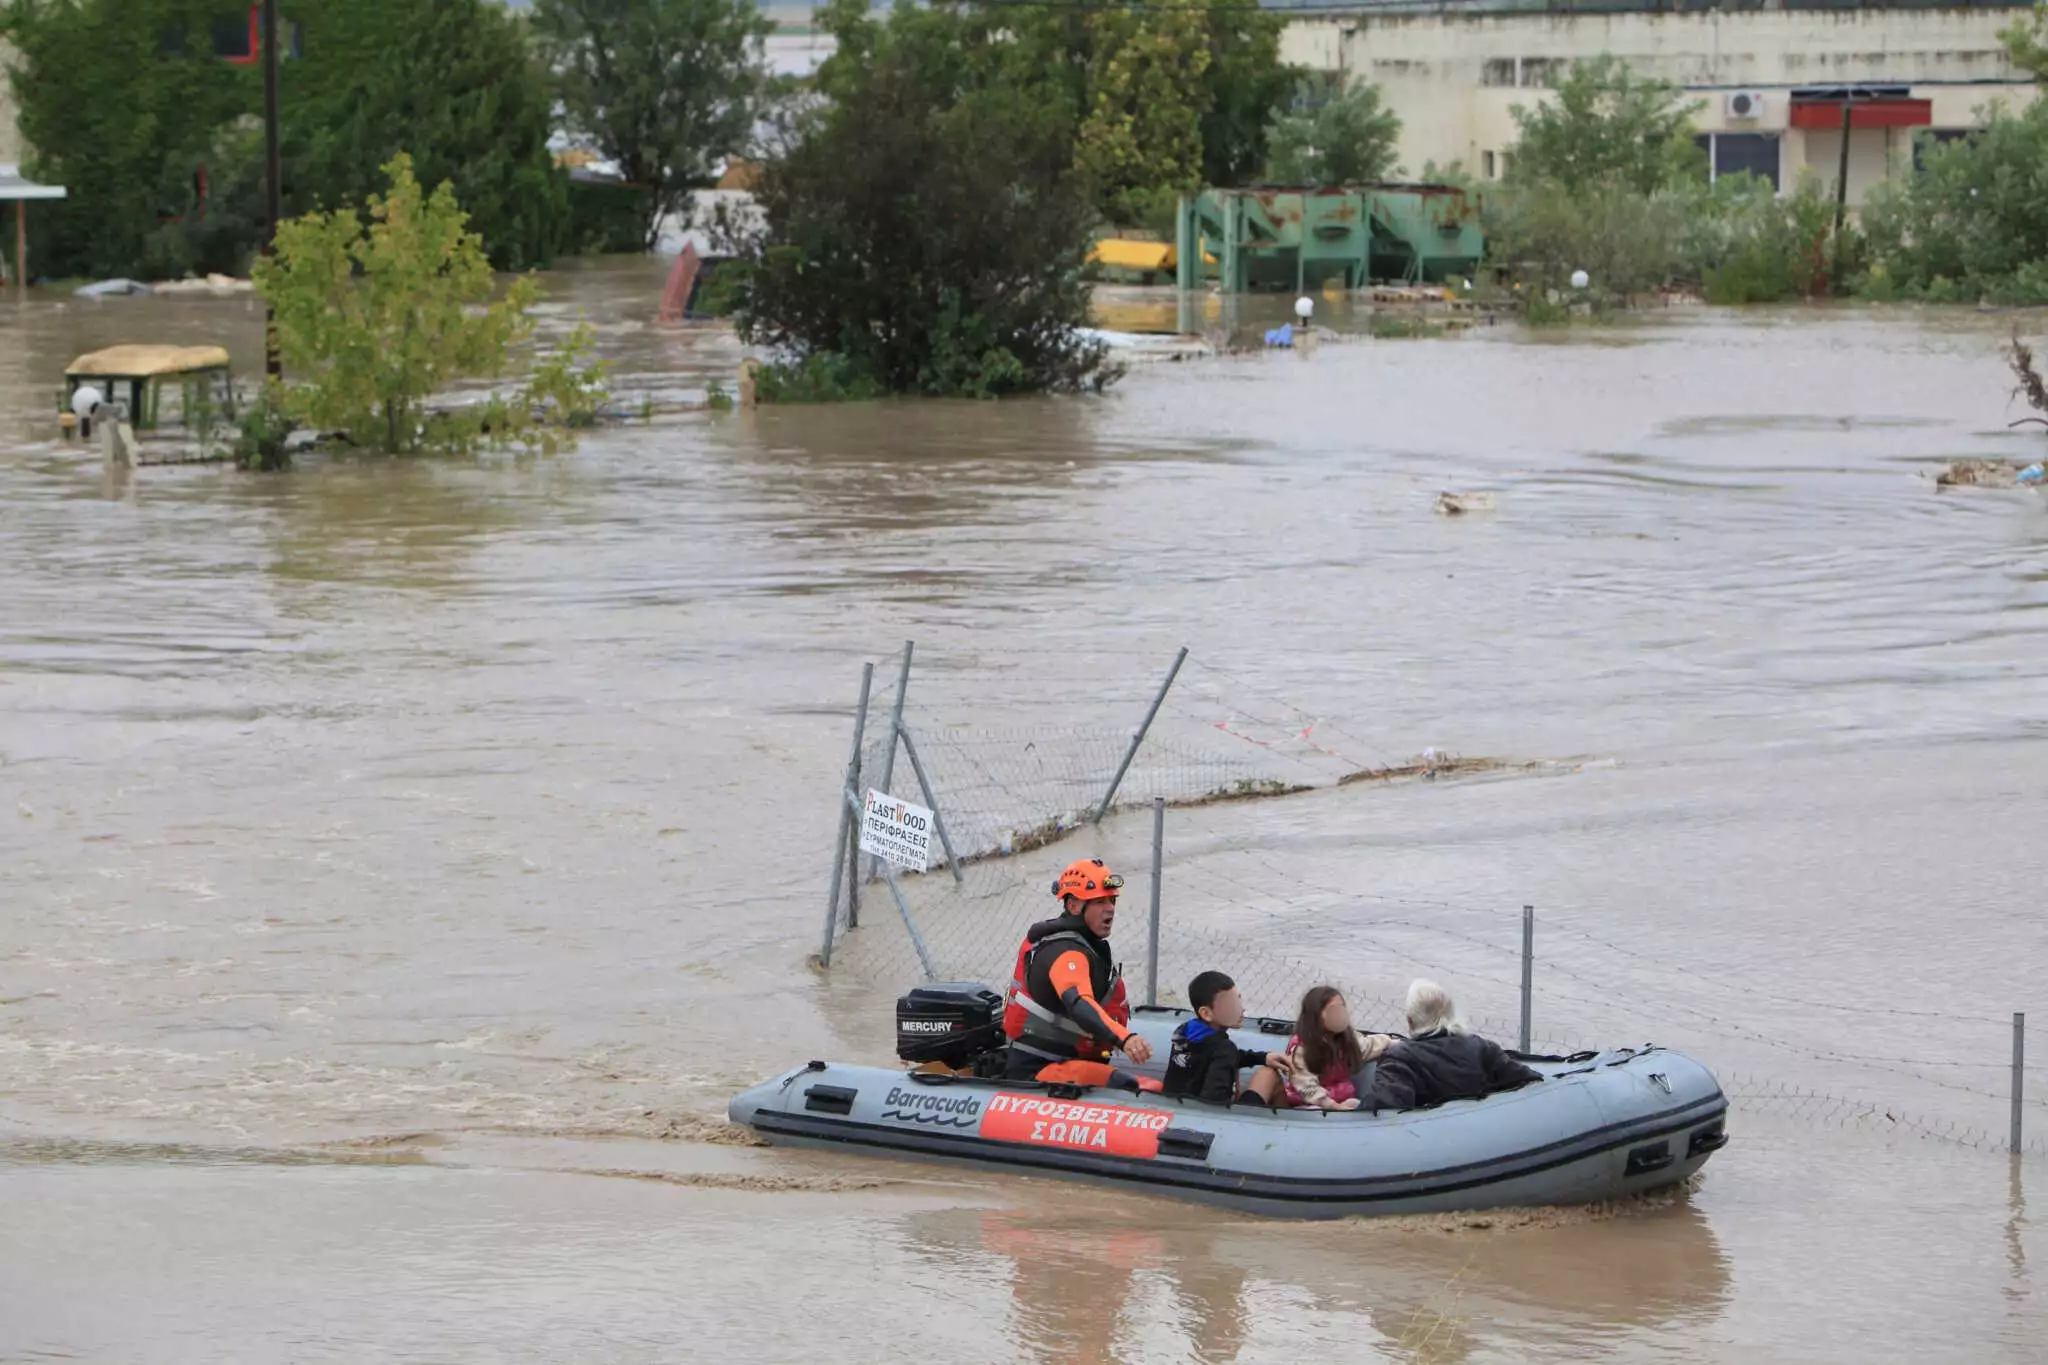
(1744, 104)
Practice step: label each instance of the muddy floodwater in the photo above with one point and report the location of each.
(402, 864)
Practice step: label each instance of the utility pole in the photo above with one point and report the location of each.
(273, 364)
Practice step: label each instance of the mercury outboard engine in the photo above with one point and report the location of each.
(957, 1023)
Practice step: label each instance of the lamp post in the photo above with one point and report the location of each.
(273, 364)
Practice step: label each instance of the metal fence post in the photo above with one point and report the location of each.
(938, 821)
(1528, 968)
(895, 729)
(1158, 873)
(1139, 738)
(840, 862)
(2019, 1075)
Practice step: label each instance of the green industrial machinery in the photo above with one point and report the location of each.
(1276, 239)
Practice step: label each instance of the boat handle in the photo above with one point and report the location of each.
(1191, 1143)
(1707, 1140)
(1654, 1157)
(830, 1099)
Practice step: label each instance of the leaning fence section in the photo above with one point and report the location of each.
(1139, 771)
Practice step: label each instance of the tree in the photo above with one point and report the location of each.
(925, 227)
(380, 317)
(1349, 139)
(127, 104)
(2026, 43)
(1141, 135)
(453, 82)
(1247, 83)
(666, 88)
(121, 101)
(1607, 126)
(1159, 98)
(1972, 223)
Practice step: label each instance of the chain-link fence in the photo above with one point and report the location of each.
(1165, 771)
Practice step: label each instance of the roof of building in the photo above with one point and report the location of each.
(148, 362)
(15, 185)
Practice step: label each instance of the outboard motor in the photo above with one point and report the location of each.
(956, 1023)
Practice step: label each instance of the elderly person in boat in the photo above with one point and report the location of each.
(1439, 1060)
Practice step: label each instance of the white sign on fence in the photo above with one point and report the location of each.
(896, 831)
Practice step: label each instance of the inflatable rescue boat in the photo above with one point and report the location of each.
(1598, 1126)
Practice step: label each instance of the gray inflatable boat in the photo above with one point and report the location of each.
(1598, 1126)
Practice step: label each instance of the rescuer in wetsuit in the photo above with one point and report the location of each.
(1066, 1012)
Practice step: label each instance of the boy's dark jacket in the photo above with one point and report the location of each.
(1204, 1063)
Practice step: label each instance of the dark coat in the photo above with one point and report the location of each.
(1418, 1072)
(1204, 1063)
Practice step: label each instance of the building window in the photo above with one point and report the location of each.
(1930, 136)
(1498, 71)
(1735, 153)
(1538, 72)
(1486, 166)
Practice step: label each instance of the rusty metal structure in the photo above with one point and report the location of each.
(1300, 239)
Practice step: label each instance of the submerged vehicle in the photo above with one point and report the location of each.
(1597, 1127)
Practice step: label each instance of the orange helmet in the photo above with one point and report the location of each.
(1087, 879)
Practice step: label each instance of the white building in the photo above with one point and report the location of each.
(1771, 82)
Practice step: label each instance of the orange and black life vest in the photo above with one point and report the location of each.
(1034, 1016)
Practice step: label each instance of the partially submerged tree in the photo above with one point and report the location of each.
(1972, 223)
(1344, 138)
(668, 89)
(925, 228)
(1605, 125)
(375, 320)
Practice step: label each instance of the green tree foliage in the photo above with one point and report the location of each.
(1627, 242)
(666, 88)
(1247, 82)
(1348, 138)
(1607, 126)
(1972, 223)
(1157, 98)
(121, 101)
(1141, 134)
(2026, 43)
(127, 104)
(925, 228)
(453, 82)
(1607, 178)
(1745, 243)
(380, 317)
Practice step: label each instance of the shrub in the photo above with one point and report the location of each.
(925, 231)
(1972, 224)
(381, 318)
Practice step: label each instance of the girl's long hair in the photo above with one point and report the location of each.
(1320, 1048)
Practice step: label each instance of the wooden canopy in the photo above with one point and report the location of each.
(147, 362)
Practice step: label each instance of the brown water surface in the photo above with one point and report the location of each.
(391, 853)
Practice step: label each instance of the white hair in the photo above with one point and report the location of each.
(1430, 1008)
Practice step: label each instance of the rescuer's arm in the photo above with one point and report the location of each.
(1070, 981)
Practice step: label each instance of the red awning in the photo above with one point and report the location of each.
(1882, 113)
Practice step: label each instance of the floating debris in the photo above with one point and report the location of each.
(1978, 474)
(1458, 504)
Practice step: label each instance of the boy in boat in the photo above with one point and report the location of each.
(1204, 1062)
